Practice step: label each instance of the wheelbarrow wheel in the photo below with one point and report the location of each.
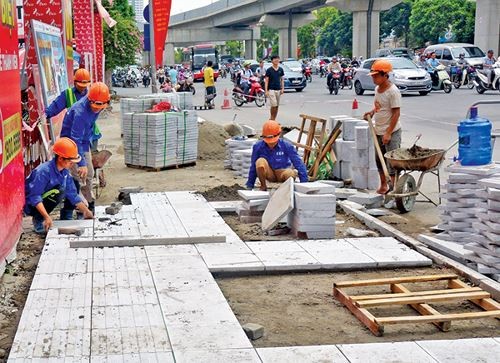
(405, 184)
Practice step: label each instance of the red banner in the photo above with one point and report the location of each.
(161, 18)
(11, 156)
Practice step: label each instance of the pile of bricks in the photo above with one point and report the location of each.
(253, 206)
(239, 155)
(185, 100)
(484, 251)
(314, 212)
(355, 153)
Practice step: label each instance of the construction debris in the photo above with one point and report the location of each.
(253, 331)
(77, 231)
(358, 233)
(114, 208)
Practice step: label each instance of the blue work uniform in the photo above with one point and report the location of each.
(64, 101)
(282, 156)
(45, 178)
(78, 125)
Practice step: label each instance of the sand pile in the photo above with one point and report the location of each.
(211, 141)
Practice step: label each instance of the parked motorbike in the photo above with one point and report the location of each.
(131, 81)
(334, 84)
(482, 84)
(146, 80)
(442, 80)
(463, 76)
(256, 93)
(186, 85)
(307, 72)
(347, 82)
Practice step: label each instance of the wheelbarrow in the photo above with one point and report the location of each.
(405, 188)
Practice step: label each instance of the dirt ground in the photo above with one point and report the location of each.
(207, 176)
(299, 309)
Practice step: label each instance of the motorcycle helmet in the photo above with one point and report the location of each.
(461, 55)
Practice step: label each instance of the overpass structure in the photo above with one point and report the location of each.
(226, 20)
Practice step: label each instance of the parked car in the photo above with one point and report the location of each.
(394, 52)
(448, 53)
(405, 75)
(293, 80)
(294, 65)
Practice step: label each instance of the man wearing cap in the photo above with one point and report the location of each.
(385, 113)
(488, 63)
(273, 157)
(50, 182)
(78, 125)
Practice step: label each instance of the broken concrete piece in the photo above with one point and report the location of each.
(114, 208)
(355, 232)
(77, 231)
(253, 331)
(394, 219)
(377, 212)
(352, 205)
(367, 198)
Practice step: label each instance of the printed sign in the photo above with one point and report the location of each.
(161, 18)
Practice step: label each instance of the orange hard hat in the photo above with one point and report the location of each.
(99, 95)
(82, 77)
(66, 148)
(271, 131)
(381, 65)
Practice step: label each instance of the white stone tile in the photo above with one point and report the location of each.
(217, 356)
(400, 352)
(233, 262)
(228, 247)
(274, 246)
(343, 259)
(288, 261)
(169, 250)
(375, 242)
(484, 350)
(325, 245)
(312, 354)
(397, 257)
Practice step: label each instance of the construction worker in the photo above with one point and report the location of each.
(50, 182)
(71, 95)
(78, 125)
(273, 157)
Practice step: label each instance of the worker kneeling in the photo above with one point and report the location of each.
(50, 182)
(273, 157)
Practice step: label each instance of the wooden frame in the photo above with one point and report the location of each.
(400, 295)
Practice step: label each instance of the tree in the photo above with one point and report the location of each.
(430, 19)
(307, 40)
(397, 20)
(121, 42)
(335, 35)
(268, 36)
(234, 48)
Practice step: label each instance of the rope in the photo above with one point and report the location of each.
(132, 138)
(165, 139)
(147, 137)
(185, 134)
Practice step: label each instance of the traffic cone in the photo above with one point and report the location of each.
(226, 103)
(355, 109)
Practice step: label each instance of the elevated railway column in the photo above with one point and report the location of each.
(487, 28)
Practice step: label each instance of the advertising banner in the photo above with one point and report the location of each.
(161, 18)
(11, 157)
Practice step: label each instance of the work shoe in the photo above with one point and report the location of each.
(38, 226)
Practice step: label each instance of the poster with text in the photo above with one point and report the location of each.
(51, 55)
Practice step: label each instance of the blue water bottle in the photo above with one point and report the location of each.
(474, 140)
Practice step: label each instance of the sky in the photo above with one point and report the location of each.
(179, 6)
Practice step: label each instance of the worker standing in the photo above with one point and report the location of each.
(273, 157)
(78, 125)
(386, 113)
(50, 182)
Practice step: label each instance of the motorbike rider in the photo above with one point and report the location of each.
(260, 72)
(432, 63)
(246, 74)
(334, 65)
(488, 63)
(354, 63)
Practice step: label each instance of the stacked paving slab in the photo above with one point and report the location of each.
(239, 155)
(253, 206)
(355, 153)
(162, 139)
(313, 216)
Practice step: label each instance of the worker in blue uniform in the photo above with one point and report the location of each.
(272, 159)
(78, 125)
(49, 183)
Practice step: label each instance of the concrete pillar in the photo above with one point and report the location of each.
(250, 49)
(287, 26)
(360, 31)
(169, 54)
(487, 28)
(222, 49)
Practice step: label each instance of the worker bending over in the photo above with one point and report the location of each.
(78, 125)
(273, 157)
(50, 182)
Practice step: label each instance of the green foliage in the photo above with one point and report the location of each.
(335, 33)
(234, 48)
(397, 20)
(122, 42)
(430, 19)
(178, 55)
(307, 41)
(267, 36)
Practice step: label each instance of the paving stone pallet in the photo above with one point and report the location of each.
(234, 158)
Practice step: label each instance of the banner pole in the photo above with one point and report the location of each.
(152, 52)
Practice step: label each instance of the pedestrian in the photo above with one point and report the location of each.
(272, 159)
(209, 82)
(385, 113)
(274, 85)
(260, 72)
(78, 125)
(49, 183)
(172, 73)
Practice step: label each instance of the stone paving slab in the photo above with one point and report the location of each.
(400, 352)
(313, 353)
(484, 350)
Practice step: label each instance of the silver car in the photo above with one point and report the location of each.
(405, 75)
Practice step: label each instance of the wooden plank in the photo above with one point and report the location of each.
(487, 304)
(423, 299)
(433, 318)
(323, 150)
(363, 315)
(413, 293)
(423, 309)
(394, 280)
(312, 118)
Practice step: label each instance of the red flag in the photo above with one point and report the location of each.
(161, 18)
